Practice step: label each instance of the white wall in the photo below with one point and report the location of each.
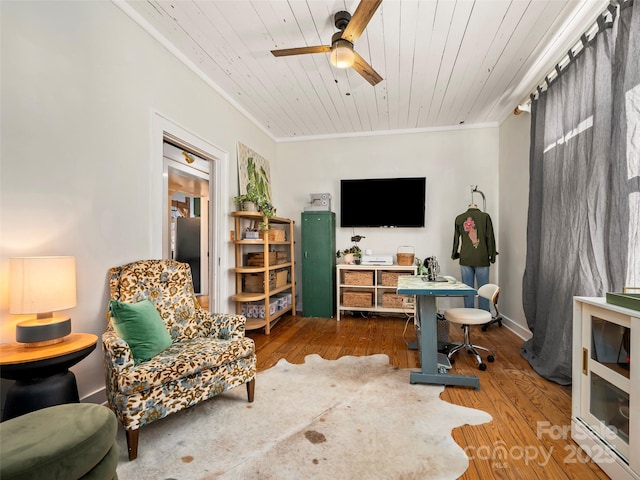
(514, 201)
(80, 82)
(452, 161)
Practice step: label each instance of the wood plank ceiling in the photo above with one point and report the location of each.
(444, 62)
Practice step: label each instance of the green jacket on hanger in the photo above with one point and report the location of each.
(473, 236)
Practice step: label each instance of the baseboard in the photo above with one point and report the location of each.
(99, 397)
(516, 328)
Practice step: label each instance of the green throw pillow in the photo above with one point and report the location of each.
(140, 325)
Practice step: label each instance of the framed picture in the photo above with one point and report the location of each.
(253, 169)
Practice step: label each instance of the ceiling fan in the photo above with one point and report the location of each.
(342, 53)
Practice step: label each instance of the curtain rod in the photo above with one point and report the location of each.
(603, 21)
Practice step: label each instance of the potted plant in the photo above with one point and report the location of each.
(249, 201)
(353, 254)
(253, 201)
(350, 255)
(268, 210)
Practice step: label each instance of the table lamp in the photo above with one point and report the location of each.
(42, 285)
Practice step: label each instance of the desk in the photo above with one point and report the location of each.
(41, 374)
(426, 331)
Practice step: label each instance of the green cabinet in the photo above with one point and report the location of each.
(318, 264)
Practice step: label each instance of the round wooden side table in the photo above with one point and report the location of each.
(41, 374)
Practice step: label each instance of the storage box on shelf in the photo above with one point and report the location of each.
(372, 288)
(258, 309)
(254, 282)
(390, 279)
(392, 300)
(274, 234)
(267, 255)
(357, 299)
(356, 277)
(256, 259)
(282, 277)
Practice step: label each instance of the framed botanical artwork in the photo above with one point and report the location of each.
(253, 172)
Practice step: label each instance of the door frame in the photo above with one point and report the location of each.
(164, 129)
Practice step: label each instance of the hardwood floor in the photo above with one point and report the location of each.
(529, 436)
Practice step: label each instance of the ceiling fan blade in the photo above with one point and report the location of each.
(361, 66)
(360, 19)
(301, 50)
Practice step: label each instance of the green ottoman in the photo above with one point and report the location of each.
(65, 442)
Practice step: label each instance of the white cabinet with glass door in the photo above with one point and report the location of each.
(606, 385)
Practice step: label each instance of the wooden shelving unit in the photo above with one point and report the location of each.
(278, 264)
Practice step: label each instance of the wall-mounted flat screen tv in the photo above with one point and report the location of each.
(383, 202)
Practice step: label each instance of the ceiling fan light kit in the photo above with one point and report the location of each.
(342, 53)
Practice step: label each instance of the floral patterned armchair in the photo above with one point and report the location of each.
(209, 353)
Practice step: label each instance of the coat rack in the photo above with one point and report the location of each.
(474, 189)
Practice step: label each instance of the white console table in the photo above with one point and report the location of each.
(374, 282)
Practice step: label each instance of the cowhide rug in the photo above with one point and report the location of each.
(351, 418)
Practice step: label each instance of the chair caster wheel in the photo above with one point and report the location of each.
(491, 358)
(484, 328)
(482, 366)
(500, 323)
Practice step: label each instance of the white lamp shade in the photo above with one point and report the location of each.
(342, 55)
(41, 284)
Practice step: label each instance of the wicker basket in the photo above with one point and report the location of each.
(256, 259)
(406, 255)
(281, 257)
(254, 282)
(357, 299)
(392, 300)
(282, 277)
(274, 235)
(358, 277)
(390, 279)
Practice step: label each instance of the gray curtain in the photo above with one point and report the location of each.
(580, 211)
(625, 146)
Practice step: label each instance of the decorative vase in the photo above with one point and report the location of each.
(349, 258)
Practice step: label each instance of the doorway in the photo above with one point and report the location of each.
(192, 183)
(188, 195)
